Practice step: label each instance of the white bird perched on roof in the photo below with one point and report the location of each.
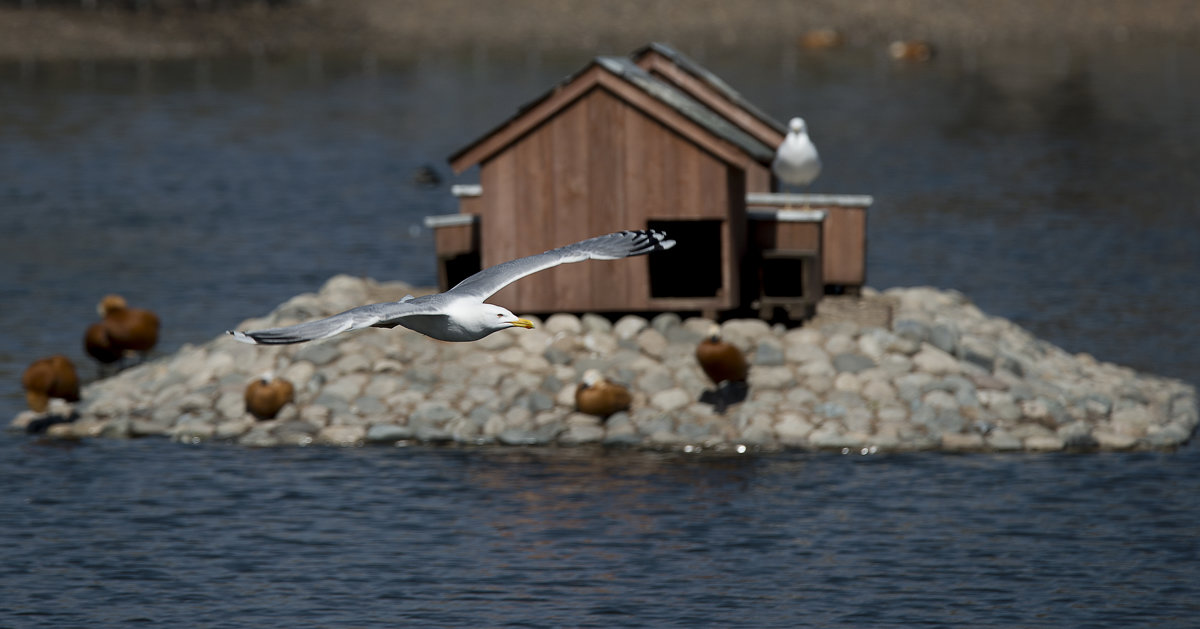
(796, 160)
(459, 314)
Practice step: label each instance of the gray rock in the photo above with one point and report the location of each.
(1002, 441)
(336, 405)
(259, 436)
(769, 353)
(665, 321)
(388, 433)
(369, 406)
(852, 363)
(770, 378)
(1168, 436)
(977, 351)
(939, 420)
(556, 356)
(117, 428)
(318, 353)
(944, 336)
(294, 427)
(911, 329)
(1077, 436)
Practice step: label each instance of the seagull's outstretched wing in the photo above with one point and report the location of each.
(615, 246)
(384, 315)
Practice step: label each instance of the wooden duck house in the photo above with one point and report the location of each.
(649, 141)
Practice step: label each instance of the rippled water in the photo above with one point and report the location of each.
(108, 533)
(1056, 187)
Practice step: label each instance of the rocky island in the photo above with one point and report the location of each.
(935, 374)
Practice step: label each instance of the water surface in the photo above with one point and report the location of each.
(1055, 187)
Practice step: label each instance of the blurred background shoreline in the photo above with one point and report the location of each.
(159, 29)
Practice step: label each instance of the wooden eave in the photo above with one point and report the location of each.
(766, 131)
(663, 102)
(703, 85)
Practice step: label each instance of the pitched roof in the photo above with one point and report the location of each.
(686, 64)
(628, 72)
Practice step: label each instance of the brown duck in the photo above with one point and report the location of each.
(121, 331)
(598, 396)
(720, 360)
(266, 395)
(50, 377)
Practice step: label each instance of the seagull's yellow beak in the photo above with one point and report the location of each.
(522, 323)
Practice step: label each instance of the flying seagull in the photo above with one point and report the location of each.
(459, 314)
(796, 160)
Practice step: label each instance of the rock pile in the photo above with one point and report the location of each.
(941, 375)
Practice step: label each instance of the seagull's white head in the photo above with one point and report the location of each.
(495, 318)
(797, 126)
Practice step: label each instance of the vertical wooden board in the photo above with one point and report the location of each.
(537, 185)
(497, 222)
(606, 201)
(505, 230)
(563, 160)
(643, 187)
(714, 201)
(843, 259)
(758, 178)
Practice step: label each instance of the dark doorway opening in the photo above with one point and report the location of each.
(460, 267)
(692, 268)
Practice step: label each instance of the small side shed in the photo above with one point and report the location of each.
(650, 141)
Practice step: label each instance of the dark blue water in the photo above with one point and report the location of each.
(158, 534)
(1056, 187)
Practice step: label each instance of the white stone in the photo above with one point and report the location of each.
(652, 342)
(342, 435)
(934, 361)
(670, 399)
(847, 381)
(629, 326)
(1044, 443)
(564, 323)
(793, 429)
(770, 378)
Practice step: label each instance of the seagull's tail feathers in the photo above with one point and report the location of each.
(311, 331)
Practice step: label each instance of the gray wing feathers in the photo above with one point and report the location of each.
(356, 318)
(622, 244)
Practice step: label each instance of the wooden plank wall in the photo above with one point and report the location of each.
(598, 166)
(844, 254)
